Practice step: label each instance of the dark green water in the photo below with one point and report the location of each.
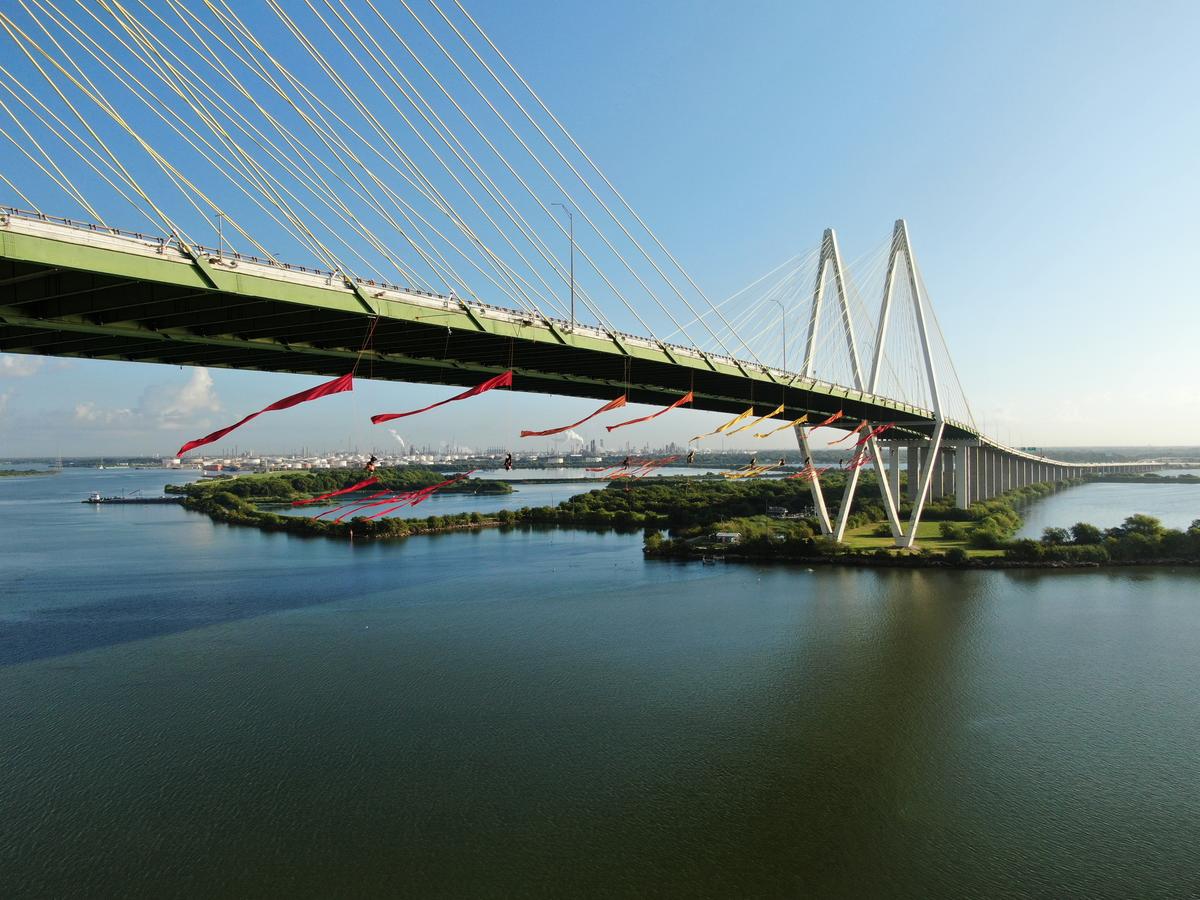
(189, 709)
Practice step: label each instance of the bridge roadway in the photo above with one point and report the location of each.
(79, 290)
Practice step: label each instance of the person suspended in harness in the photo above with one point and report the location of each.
(691, 457)
(372, 463)
(508, 463)
(625, 463)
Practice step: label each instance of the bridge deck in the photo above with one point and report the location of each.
(84, 291)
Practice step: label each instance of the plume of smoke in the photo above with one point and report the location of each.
(403, 443)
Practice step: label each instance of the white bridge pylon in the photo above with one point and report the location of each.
(830, 259)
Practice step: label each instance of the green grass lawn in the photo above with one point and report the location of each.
(928, 537)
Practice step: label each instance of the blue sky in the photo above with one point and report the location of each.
(1042, 154)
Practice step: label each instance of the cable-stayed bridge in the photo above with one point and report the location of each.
(434, 198)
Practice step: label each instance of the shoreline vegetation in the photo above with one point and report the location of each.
(26, 473)
(679, 518)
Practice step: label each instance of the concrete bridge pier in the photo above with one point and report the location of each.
(894, 470)
(976, 474)
(937, 482)
(962, 476)
(915, 454)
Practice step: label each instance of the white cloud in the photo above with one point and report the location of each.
(160, 406)
(88, 413)
(169, 406)
(18, 366)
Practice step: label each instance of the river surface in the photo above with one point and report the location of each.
(189, 709)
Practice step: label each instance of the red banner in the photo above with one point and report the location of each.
(876, 432)
(837, 415)
(336, 386)
(504, 379)
(861, 425)
(686, 398)
(345, 490)
(615, 404)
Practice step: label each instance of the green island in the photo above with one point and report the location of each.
(26, 473)
(772, 520)
(240, 501)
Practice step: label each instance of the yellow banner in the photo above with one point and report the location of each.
(739, 418)
(772, 414)
(792, 424)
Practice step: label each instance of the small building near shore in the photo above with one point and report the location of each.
(728, 537)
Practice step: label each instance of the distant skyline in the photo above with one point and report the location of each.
(1043, 156)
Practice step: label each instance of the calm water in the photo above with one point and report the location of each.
(1106, 505)
(190, 709)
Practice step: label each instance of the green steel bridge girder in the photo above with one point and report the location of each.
(67, 291)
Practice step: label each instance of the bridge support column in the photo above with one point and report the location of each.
(894, 470)
(930, 454)
(962, 476)
(914, 470)
(939, 475)
(976, 474)
(814, 483)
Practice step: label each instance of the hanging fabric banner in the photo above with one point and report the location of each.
(859, 459)
(361, 501)
(857, 428)
(394, 501)
(808, 473)
(686, 398)
(615, 404)
(504, 379)
(791, 424)
(420, 496)
(345, 490)
(772, 414)
(622, 469)
(741, 417)
(651, 465)
(336, 386)
(875, 432)
(837, 415)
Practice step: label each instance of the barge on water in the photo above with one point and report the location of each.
(97, 498)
